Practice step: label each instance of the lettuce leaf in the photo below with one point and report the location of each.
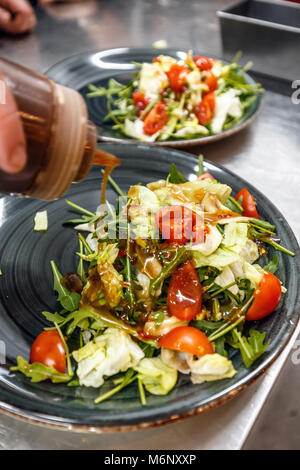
(221, 258)
(108, 354)
(41, 221)
(157, 377)
(235, 236)
(210, 367)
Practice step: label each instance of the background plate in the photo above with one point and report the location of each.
(26, 290)
(98, 67)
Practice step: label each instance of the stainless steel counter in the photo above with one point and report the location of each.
(267, 155)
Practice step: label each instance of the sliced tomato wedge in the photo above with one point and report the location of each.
(155, 119)
(248, 203)
(266, 297)
(203, 62)
(48, 349)
(140, 101)
(211, 81)
(205, 110)
(177, 75)
(206, 176)
(187, 339)
(179, 224)
(185, 292)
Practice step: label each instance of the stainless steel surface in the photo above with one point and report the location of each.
(267, 31)
(267, 154)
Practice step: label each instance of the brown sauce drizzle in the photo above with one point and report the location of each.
(214, 218)
(110, 162)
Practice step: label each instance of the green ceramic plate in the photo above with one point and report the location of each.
(26, 290)
(98, 67)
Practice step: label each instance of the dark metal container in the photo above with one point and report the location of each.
(267, 32)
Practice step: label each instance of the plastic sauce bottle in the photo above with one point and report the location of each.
(61, 141)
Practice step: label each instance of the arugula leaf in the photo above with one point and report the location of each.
(262, 224)
(267, 239)
(175, 176)
(128, 378)
(200, 165)
(74, 383)
(88, 217)
(53, 317)
(206, 326)
(219, 346)
(272, 266)
(38, 372)
(80, 269)
(75, 318)
(251, 348)
(233, 205)
(147, 349)
(179, 257)
(68, 300)
(159, 316)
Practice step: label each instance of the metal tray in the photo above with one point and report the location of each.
(267, 32)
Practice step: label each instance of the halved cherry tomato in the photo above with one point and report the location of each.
(210, 98)
(155, 119)
(48, 349)
(211, 81)
(205, 110)
(248, 203)
(185, 292)
(177, 75)
(203, 62)
(206, 176)
(266, 297)
(140, 101)
(187, 339)
(179, 224)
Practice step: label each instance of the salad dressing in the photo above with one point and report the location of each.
(215, 217)
(110, 162)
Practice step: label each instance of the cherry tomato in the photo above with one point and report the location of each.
(179, 224)
(205, 110)
(187, 339)
(177, 75)
(155, 119)
(210, 98)
(211, 81)
(206, 176)
(122, 253)
(48, 349)
(140, 101)
(203, 62)
(248, 203)
(266, 297)
(185, 292)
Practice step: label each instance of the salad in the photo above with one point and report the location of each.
(171, 99)
(165, 283)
